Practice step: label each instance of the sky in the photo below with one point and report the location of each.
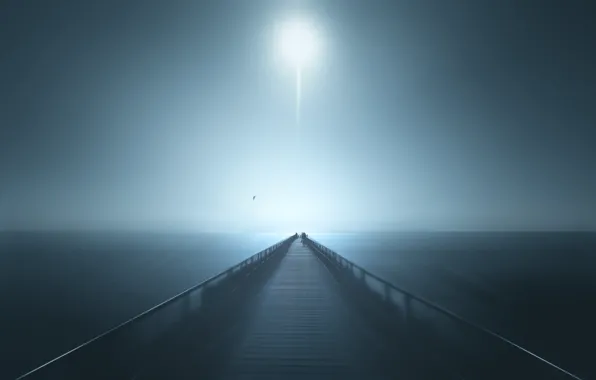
(415, 115)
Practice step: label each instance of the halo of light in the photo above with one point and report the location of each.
(298, 42)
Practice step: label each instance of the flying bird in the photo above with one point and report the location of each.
(253, 197)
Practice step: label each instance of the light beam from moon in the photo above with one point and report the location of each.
(299, 46)
(298, 95)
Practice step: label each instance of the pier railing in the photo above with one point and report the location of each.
(126, 349)
(431, 332)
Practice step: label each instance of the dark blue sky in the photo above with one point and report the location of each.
(418, 114)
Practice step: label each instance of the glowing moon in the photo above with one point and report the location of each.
(298, 43)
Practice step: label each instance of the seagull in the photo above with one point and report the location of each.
(253, 197)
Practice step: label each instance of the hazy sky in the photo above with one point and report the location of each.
(418, 114)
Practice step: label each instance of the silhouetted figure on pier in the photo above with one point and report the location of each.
(303, 237)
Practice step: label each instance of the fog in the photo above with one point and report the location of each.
(416, 115)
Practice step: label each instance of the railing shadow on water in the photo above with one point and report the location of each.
(155, 339)
(433, 334)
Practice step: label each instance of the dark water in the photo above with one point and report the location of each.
(538, 289)
(59, 290)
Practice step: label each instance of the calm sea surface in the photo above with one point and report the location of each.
(58, 290)
(536, 288)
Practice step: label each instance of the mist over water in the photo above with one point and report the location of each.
(535, 288)
(59, 289)
(64, 288)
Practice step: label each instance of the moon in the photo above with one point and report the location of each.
(298, 42)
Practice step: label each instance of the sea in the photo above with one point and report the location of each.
(60, 289)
